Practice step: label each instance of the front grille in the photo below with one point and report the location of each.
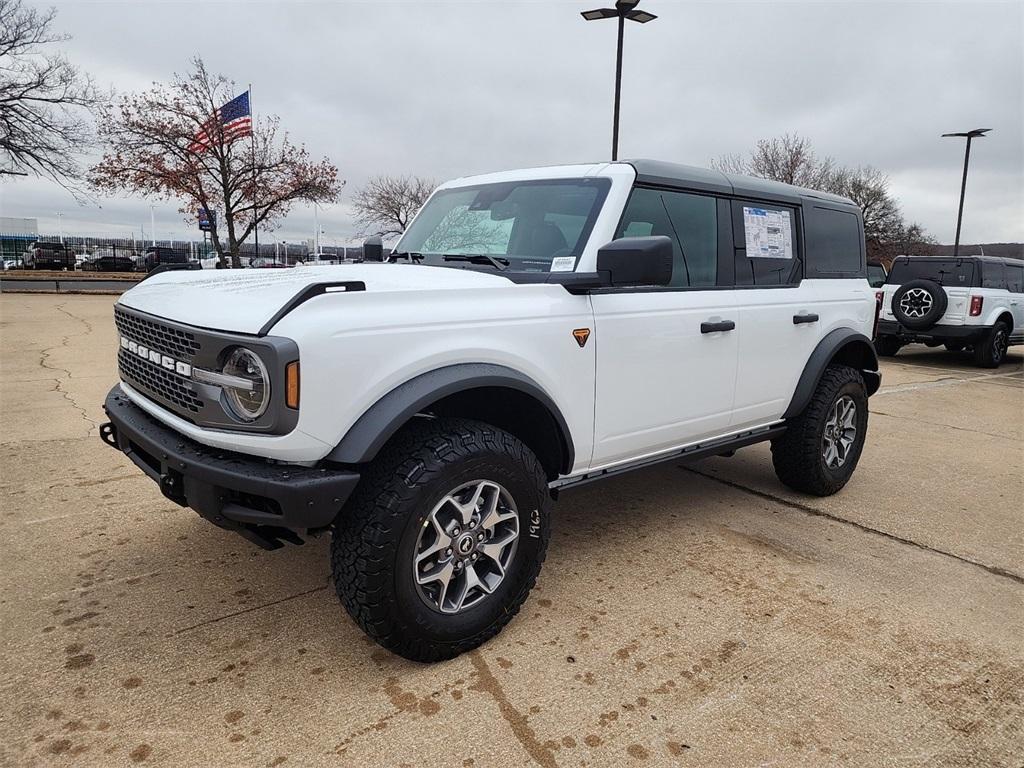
(159, 382)
(179, 344)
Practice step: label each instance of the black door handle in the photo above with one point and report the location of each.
(797, 319)
(724, 325)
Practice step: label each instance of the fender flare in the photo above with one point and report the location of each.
(392, 411)
(840, 341)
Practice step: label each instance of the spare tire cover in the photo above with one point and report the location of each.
(919, 304)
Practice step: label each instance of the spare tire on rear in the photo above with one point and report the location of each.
(919, 304)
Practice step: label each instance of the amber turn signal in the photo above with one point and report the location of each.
(291, 385)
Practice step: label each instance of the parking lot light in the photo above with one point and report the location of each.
(977, 133)
(623, 10)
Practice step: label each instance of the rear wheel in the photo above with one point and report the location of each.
(820, 448)
(887, 346)
(444, 538)
(990, 352)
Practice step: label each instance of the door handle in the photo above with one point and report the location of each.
(811, 318)
(722, 325)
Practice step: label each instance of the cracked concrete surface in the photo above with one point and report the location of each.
(704, 616)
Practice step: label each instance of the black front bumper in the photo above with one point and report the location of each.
(968, 334)
(264, 502)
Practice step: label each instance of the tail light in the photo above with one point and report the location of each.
(879, 298)
(976, 303)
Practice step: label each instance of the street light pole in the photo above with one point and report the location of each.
(624, 9)
(977, 133)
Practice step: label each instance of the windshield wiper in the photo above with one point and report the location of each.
(478, 258)
(412, 256)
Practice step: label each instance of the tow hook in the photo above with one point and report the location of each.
(172, 487)
(108, 434)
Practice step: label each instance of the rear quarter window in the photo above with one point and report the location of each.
(993, 276)
(835, 244)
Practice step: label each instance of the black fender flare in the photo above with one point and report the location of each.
(853, 348)
(392, 411)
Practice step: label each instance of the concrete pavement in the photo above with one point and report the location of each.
(703, 616)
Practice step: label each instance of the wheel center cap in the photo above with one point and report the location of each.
(465, 545)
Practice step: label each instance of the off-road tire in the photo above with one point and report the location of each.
(936, 295)
(374, 539)
(991, 352)
(797, 453)
(887, 346)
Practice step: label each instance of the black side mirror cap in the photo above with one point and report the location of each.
(373, 249)
(637, 261)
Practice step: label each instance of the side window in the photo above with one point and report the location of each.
(1015, 278)
(834, 242)
(767, 252)
(992, 276)
(690, 221)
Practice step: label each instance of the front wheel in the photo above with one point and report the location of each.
(444, 538)
(821, 447)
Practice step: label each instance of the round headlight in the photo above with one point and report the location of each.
(247, 404)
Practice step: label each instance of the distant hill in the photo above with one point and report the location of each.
(1006, 250)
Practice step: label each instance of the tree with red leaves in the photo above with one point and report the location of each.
(240, 184)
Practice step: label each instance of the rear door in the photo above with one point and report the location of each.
(665, 375)
(780, 314)
(1015, 285)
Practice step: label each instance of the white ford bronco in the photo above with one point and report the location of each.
(532, 331)
(973, 302)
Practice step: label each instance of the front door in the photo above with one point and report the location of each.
(666, 358)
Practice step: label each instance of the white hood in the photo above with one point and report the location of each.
(243, 301)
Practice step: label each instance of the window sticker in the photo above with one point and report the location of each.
(768, 234)
(563, 264)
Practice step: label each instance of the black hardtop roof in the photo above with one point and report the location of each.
(663, 173)
(971, 257)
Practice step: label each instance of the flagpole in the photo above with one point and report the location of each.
(252, 143)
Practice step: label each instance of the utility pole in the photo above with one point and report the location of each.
(977, 133)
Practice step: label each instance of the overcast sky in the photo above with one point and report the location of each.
(446, 89)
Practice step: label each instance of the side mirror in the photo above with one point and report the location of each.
(373, 249)
(637, 261)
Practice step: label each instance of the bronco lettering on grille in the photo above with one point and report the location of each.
(153, 356)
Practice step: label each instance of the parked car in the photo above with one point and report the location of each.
(46, 255)
(972, 303)
(13, 262)
(157, 255)
(266, 262)
(876, 274)
(106, 259)
(606, 317)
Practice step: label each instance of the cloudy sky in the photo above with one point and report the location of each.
(445, 89)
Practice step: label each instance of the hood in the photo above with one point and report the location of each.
(243, 301)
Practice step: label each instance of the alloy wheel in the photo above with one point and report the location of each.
(465, 546)
(840, 432)
(917, 302)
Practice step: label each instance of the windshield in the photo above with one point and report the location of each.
(948, 272)
(524, 225)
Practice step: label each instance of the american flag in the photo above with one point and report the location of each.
(234, 119)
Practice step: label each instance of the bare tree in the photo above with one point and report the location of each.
(386, 204)
(869, 188)
(152, 149)
(44, 100)
(790, 158)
